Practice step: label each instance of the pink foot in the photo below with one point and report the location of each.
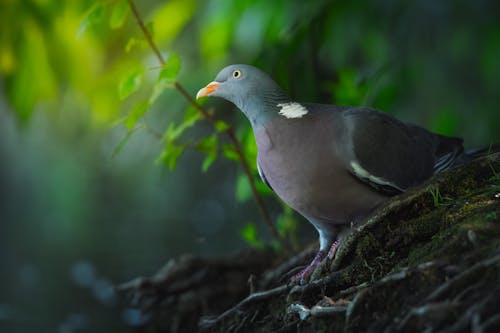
(302, 276)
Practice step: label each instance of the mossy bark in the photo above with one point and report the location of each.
(426, 260)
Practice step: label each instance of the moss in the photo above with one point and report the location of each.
(452, 241)
(368, 246)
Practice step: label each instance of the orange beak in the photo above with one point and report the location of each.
(210, 88)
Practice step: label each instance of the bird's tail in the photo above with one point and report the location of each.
(474, 153)
(483, 151)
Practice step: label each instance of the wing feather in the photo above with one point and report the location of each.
(393, 156)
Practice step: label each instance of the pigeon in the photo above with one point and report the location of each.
(332, 164)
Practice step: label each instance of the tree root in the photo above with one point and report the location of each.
(253, 298)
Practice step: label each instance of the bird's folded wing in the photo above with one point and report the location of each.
(386, 153)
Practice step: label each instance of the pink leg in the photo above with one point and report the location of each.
(333, 249)
(302, 276)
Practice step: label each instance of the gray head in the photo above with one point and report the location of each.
(249, 88)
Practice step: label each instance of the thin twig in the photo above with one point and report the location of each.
(230, 131)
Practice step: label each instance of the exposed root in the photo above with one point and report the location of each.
(316, 311)
(253, 298)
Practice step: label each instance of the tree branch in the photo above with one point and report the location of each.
(230, 131)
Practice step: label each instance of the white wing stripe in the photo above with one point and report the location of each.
(363, 174)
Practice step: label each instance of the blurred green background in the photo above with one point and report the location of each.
(90, 193)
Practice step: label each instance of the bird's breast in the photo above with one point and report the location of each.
(301, 164)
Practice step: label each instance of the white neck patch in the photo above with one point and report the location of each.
(292, 110)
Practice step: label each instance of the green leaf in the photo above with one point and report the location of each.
(170, 69)
(230, 152)
(130, 83)
(174, 132)
(171, 154)
(96, 13)
(137, 112)
(134, 42)
(221, 126)
(157, 91)
(243, 189)
(191, 116)
(91, 17)
(130, 44)
(209, 160)
(249, 234)
(208, 144)
(119, 14)
(167, 76)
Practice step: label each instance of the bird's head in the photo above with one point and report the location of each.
(247, 87)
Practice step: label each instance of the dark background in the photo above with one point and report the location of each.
(75, 218)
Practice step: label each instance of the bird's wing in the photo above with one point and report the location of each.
(393, 156)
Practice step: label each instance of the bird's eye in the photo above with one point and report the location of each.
(236, 73)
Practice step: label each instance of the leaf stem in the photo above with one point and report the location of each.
(230, 131)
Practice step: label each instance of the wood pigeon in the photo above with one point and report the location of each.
(332, 164)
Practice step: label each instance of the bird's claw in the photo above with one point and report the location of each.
(303, 276)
